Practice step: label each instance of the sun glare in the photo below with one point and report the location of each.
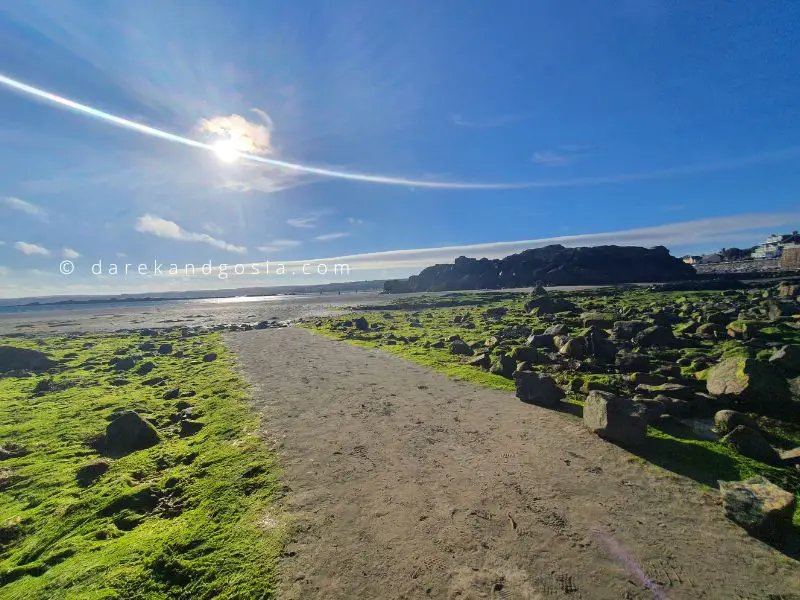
(227, 150)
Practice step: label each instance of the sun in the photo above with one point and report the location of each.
(228, 150)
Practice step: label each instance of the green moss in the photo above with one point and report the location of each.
(182, 519)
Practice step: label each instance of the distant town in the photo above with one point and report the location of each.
(779, 251)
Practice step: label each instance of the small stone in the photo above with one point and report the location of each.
(210, 357)
(460, 347)
(90, 472)
(172, 394)
(165, 349)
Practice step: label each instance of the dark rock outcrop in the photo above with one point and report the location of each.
(551, 265)
(23, 359)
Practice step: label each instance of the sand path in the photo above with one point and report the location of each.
(407, 484)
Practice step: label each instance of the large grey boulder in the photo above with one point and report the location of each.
(461, 348)
(537, 389)
(761, 507)
(614, 418)
(23, 359)
(658, 335)
(747, 380)
(750, 443)
(787, 359)
(129, 432)
(626, 330)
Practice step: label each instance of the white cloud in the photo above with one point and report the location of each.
(549, 158)
(29, 208)
(69, 253)
(121, 255)
(354, 221)
(304, 222)
(279, 245)
(489, 122)
(29, 249)
(327, 237)
(2, 243)
(250, 138)
(213, 228)
(162, 228)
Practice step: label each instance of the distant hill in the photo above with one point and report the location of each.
(551, 265)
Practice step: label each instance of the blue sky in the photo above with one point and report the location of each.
(639, 121)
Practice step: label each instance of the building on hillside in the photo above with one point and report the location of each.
(711, 259)
(790, 258)
(691, 260)
(774, 245)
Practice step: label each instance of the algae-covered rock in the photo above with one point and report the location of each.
(747, 380)
(23, 359)
(658, 335)
(758, 505)
(604, 320)
(726, 421)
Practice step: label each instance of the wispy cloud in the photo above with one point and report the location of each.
(212, 228)
(564, 155)
(29, 208)
(354, 221)
(31, 249)
(163, 228)
(327, 237)
(304, 222)
(702, 231)
(69, 253)
(2, 243)
(279, 245)
(4, 271)
(490, 121)
(549, 158)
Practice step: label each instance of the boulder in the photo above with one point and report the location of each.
(573, 348)
(547, 305)
(503, 365)
(461, 348)
(540, 340)
(210, 357)
(761, 507)
(23, 359)
(145, 368)
(633, 363)
(482, 361)
(125, 364)
(675, 407)
(537, 389)
(673, 390)
(646, 379)
(165, 349)
(787, 359)
(172, 394)
(658, 335)
(627, 330)
(750, 443)
(711, 331)
(12, 450)
(360, 323)
(788, 290)
(747, 380)
(791, 458)
(129, 432)
(597, 344)
(614, 418)
(604, 320)
(147, 346)
(90, 472)
(557, 329)
(726, 421)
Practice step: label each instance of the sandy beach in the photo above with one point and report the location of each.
(403, 483)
